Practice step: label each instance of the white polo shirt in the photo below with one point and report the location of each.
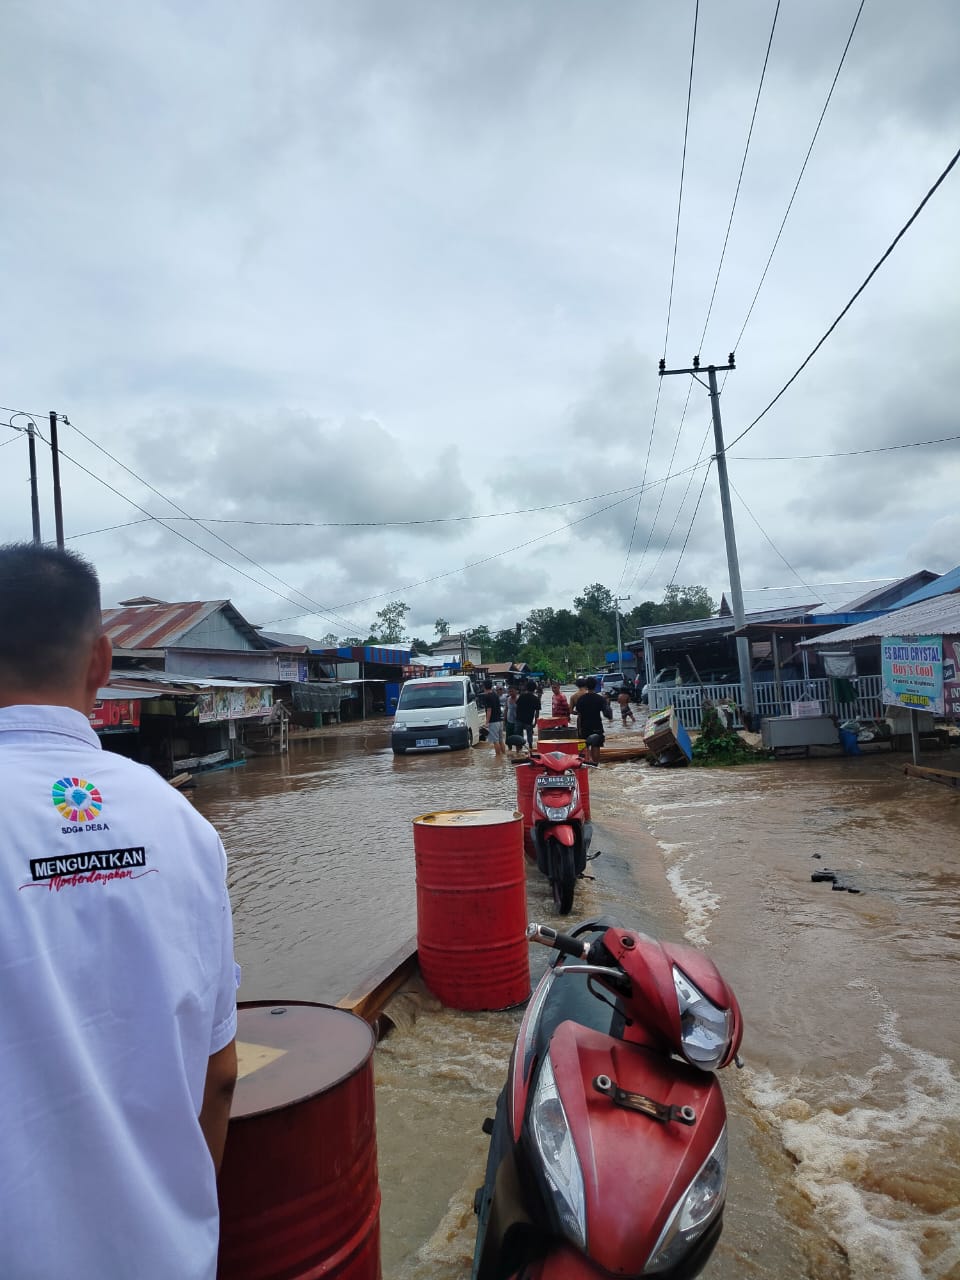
(117, 983)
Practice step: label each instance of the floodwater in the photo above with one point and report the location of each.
(845, 1122)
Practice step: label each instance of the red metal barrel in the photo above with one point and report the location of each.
(526, 777)
(472, 907)
(299, 1195)
(552, 722)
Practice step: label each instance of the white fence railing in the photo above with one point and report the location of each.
(687, 698)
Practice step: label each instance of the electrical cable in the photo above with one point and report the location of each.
(673, 274)
(846, 453)
(330, 617)
(676, 518)
(706, 322)
(873, 271)
(796, 186)
(769, 539)
(322, 609)
(693, 518)
(743, 165)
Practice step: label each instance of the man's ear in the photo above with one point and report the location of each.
(98, 668)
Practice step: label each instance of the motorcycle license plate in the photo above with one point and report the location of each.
(428, 742)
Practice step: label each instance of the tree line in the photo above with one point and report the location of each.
(558, 642)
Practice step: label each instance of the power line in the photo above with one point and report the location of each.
(706, 322)
(206, 551)
(796, 186)
(322, 609)
(873, 271)
(673, 274)
(743, 165)
(693, 518)
(676, 518)
(845, 453)
(769, 539)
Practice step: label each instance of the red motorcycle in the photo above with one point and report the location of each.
(608, 1153)
(561, 832)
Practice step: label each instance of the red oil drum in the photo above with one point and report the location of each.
(526, 777)
(299, 1195)
(552, 722)
(472, 907)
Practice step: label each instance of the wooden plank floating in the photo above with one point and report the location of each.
(368, 998)
(945, 776)
(623, 751)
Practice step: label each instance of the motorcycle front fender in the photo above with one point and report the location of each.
(563, 834)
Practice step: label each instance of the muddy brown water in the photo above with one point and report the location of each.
(845, 1122)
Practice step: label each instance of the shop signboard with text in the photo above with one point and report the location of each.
(115, 715)
(912, 670)
(951, 676)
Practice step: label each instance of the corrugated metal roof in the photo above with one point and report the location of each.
(155, 626)
(160, 626)
(837, 597)
(939, 616)
(943, 585)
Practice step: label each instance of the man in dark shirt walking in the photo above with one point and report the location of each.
(591, 710)
(528, 709)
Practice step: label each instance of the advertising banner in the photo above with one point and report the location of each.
(951, 676)
(912, 670)
(234, 704)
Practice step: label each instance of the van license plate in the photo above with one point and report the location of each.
(428, 742)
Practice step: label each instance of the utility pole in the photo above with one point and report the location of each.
(730, 537)
(34, 495)
(617, 600)
(57, 503)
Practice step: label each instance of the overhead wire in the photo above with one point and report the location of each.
(873, 271)
(794, 571)
(706, 322)
(796, 185)
(673, 274)
(322, 609)
(693, 519)
(206, 550)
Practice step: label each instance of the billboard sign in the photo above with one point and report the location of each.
(912, 669)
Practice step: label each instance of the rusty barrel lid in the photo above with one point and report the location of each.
(467, 818)
(291, 1050)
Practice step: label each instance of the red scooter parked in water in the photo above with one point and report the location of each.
(608, 1154)
(561, 832)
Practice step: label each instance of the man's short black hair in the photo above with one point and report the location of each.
(591, 682)
(488, 684)
(49, 613)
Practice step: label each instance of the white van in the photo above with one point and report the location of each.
(436, 713)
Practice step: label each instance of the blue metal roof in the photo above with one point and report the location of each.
(942, 586)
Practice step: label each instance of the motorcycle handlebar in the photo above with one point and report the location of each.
(563, 942)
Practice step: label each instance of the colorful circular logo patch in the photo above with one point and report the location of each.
(77, 799)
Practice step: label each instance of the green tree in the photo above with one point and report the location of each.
(683, 603)
(481, 639)
(441, 628)
(419, 646)
(388, 626)
(506, 645)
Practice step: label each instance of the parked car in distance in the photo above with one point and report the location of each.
(436, 713)
(611, 682)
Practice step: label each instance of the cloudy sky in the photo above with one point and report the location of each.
(332, 266)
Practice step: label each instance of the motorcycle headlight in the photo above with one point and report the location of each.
(458, 723)
(558, 1155)
(704, 1028)
(701, 1203)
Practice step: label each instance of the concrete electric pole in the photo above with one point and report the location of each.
(730, 537)
(617, 601)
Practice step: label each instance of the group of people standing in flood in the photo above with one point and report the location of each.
(512, 712)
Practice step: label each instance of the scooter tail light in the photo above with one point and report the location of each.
(696, 1209)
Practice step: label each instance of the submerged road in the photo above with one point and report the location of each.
(845, 1122)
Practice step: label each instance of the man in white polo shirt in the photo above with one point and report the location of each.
(117, 978)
